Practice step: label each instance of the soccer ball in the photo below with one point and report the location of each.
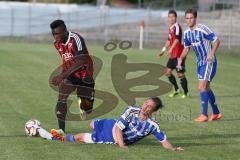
(31, 127)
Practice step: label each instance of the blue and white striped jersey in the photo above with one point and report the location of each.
(200, 39)
(134, 129)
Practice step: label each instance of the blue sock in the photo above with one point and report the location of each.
(204, 101)
(70, 138)
(54, 139)
(212, 101)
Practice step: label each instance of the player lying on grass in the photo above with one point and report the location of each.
(134, 124)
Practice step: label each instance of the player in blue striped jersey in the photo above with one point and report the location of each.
(204, 43)
(134, 124)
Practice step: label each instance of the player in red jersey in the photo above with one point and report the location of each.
(174, 44)
(76, 72)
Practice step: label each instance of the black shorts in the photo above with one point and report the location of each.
(172, 63)
(84, 86)
(85, 91)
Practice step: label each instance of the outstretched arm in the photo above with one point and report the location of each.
(169, 146)
(163, 139)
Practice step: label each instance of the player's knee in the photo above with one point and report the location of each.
(91, 124)
(202, 85)
(180, 75)
(167, 73)
(201, 88)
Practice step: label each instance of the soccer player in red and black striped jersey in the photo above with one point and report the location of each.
(175, 47)
(76, 72)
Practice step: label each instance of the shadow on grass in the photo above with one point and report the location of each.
(220, 139)
(233, 119)
(206, 136)
(154, 142)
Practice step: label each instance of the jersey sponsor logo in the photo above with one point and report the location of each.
(67, 56)
(195, 44)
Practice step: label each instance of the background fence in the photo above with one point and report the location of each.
(103, 23)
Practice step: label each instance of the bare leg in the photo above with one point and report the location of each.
(92, 124)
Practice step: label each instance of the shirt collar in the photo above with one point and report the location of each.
(173, 25)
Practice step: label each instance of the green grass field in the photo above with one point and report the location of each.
(25, 94)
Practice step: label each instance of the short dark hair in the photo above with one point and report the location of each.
(58, 23)
(191, 11)
(172, 12)
(157, 102)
